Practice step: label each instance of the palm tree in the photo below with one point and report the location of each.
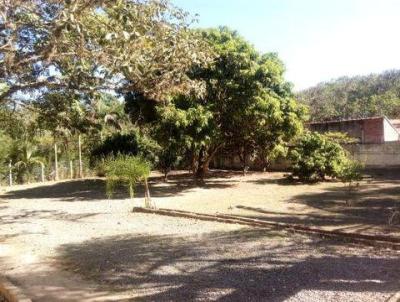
(26, 160)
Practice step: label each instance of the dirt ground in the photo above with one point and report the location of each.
(66, 242)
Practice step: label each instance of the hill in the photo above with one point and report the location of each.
(354, 97)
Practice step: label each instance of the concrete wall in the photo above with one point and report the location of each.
(385, 155)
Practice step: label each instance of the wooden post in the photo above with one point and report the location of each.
(71, 170)
(10, 179)
(55, 162)
(147, 198)
(80, 157)
(42, 171)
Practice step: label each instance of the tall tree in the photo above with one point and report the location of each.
(251, 104)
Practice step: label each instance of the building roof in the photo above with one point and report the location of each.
(350, 120)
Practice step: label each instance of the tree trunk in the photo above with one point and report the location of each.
(193, 163)
(202, 170)
(166, 171)
(243, 160)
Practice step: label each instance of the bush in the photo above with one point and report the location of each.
(132, 143)
(317, 156)
(125, 170)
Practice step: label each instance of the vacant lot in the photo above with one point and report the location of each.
(66, 242)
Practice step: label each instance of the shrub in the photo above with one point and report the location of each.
(127, 171)
(132, 143)
(317, 156)
(350, 175)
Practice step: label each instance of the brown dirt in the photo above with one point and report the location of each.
(65, 242)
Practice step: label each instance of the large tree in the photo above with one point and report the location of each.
(247, 109)
(252, 106)
(88, 45)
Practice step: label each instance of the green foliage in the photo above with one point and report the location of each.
(125, 170)
(132, 143)
(25, 156)
(340, 137)
(316, 156)
(350, 172)
(95, 45)
(356, 97)
(5, 148)
(64, 114)
(247, 107)
(252, 107)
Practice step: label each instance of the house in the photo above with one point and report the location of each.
(366, 130)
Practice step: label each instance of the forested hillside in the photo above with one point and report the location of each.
(354, 97)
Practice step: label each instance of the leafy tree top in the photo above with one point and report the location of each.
(89, 45)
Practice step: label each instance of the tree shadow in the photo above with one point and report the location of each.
(94, 189)
(372, 204)
(28, 215)
(245, 265)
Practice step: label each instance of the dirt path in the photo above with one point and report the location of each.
(65, 242)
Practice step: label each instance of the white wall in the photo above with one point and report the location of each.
(390, 133)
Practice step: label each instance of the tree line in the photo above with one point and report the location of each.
(354, 97)
(133, 78)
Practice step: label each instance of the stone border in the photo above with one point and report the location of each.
(371, 240)
(11, 292)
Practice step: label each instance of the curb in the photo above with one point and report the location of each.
(371, 240)
(11, 292)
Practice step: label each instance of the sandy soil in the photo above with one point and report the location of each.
(66, 242)
(270, 196)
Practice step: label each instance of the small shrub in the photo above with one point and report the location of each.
(316, 157)
(350, 175)
(127, 171)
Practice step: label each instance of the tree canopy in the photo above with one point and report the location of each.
(90, 45)
(252, 106)
(355, 97)
(247, 108)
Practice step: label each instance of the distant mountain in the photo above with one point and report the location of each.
(354, 97)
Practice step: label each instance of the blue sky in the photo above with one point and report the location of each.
(318, 40)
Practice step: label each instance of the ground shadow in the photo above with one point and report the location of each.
(370, 210)
(372, 203)
(25, 214)
(231, 266)
(94, 189)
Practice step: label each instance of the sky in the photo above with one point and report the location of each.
(318, 40)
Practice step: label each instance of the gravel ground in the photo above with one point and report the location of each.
(79, 247)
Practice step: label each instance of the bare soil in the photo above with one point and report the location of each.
(66, 242)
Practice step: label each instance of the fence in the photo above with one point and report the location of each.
(39, 173)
